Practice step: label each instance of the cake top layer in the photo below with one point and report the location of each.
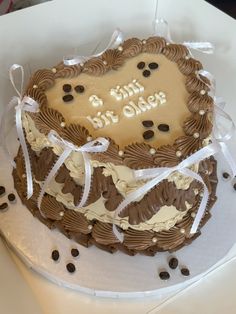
(146, 96)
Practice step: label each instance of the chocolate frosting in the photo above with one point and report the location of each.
(188, 145)
(48, 119)
(76, 134)
(43, 163)
(43, 79)
(75, 222)
(113, 59)
(131, 47)
(193, 83)
(198, 123)
(51, 208)
(103, 234)
(137, 156)
(63, 71)
(38, 95)
(112, 153)
(154, 44)
(138, 240)
(174, 52)
(189, 66)
(95, 67)
(166, 156)
(165, 193)
(198, 102)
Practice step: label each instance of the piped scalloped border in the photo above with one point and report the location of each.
(196, 127)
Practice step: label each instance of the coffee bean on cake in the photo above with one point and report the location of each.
(148, 134)
(66, 88)
(67, 98)
(147, 123)
(3, 206)
(11, 197)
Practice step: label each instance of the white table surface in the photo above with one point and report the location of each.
(40, 36)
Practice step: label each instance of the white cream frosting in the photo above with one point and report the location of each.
(164, 219)
(122, 176)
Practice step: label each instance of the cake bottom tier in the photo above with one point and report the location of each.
(75, 225)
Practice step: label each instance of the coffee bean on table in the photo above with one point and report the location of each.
(11, 197)
(163, 127)
(234, 186)
(67, 98)
(3, 206)
(141, 65)
(185, 271)
(153, 65)
(79, 89)
(225, 175)
(147, 123)
(146, 73)
(74, 252)
(148, 134)
(164, 275)
(66, 88)
(2, 190)
(70, 267)
(173, 263)
(55, 255)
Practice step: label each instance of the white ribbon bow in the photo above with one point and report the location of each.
(161, 28)
(99, 145)
(159, 174)
(116, 39)
(20, 104)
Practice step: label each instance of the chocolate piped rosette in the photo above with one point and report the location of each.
(149, 101)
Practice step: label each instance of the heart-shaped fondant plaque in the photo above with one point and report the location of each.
(127, 104)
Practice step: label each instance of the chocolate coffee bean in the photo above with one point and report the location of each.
(67, 98)
(163, 127)
(2, 190)
(55, 255)
(79, 89)
(147, 123)
(74, 252)
(70, 267)
(185, 272)
(164, 275)
(148, 134)
(3, 206)
(11, 197)
(146, 73)
(153, 65)
(141, 65)
(173, 263)
(66, 88)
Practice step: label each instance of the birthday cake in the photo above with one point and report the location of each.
(147, 104)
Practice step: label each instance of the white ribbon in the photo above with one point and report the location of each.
(99, 145)
(116, 39)
(161, 28)
(20, 104)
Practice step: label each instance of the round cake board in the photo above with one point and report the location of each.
(115, 275)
